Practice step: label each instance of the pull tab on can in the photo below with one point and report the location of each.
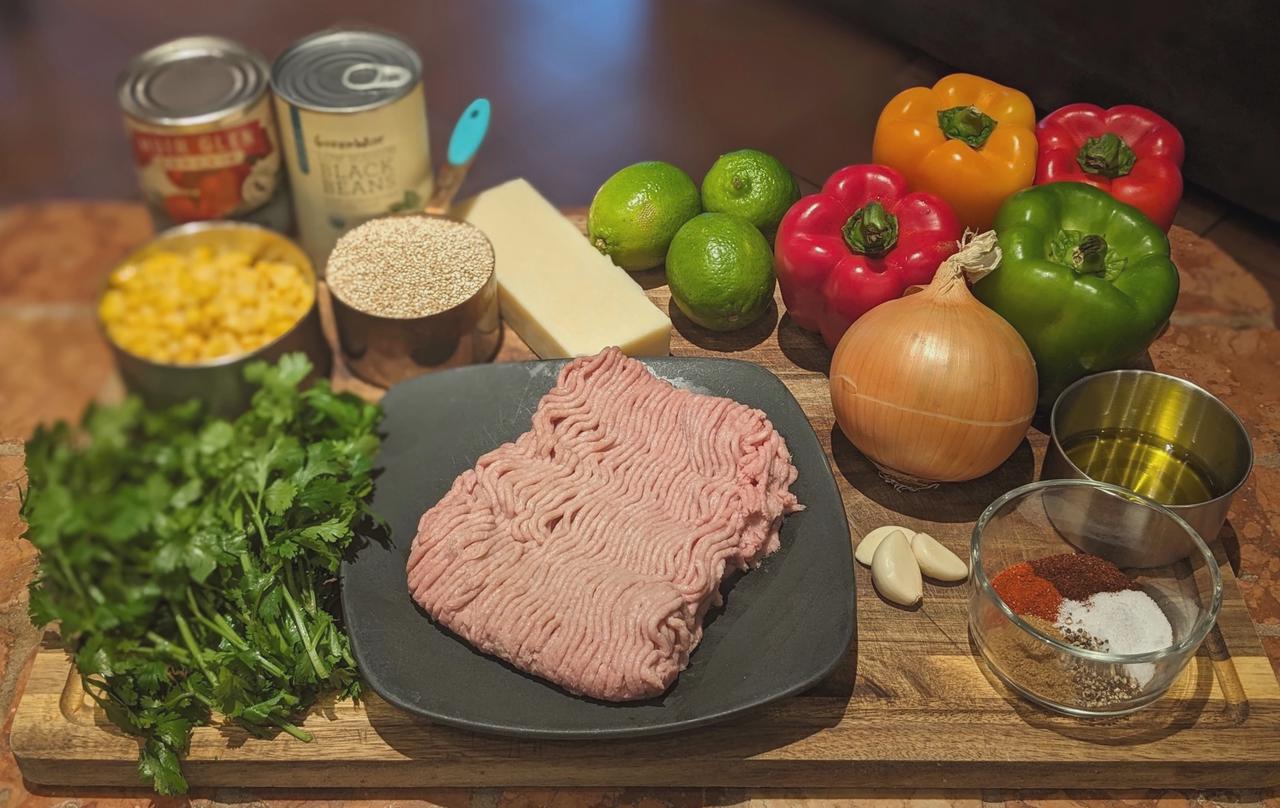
(385, 77)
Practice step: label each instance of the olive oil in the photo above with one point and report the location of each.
(1144, 463)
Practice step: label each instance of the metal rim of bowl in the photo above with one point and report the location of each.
(1195, 636)
(197, 227)
(493, 271)
(1248, 467)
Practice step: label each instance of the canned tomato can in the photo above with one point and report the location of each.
(198, 115)
(353, 120)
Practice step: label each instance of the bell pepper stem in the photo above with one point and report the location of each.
(871, 230)
(1106, 155)
(1085, 253)
(968, 124)
(1090, 256)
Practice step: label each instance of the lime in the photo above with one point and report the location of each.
(637, 212)
(720, 271)
(750, 184)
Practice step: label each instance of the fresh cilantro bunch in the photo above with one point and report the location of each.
(192, 560)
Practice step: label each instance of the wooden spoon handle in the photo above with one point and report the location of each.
(447, 184)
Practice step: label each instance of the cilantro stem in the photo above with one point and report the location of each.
(220, 626)
(164, 646)
(308, 595)
(190, 640)
(321, 670)
(257, 518)
(70, 574)
(98, 689)
(295, 731)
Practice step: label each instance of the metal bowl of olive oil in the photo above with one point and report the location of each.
(1157, 435)
(217, 380)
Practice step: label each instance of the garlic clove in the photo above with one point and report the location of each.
(937, 561)
(867, 547)
(895, 571)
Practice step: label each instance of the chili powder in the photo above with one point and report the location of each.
(1025, 592)
(1077, 576)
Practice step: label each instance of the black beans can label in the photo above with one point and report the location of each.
(353, 127)
(348, 168)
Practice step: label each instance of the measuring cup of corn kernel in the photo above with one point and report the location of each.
(1157, 435)
(184, 313)
(417, 292)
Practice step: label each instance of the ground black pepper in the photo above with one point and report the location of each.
(1076, 576)
(1100, 685)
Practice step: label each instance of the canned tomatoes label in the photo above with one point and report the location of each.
(353, 123)
(201, 129)
(215, 174)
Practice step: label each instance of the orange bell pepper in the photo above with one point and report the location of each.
(966, 139)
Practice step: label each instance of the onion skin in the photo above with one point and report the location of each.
(934, 386)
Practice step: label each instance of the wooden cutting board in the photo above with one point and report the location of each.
(911, 706)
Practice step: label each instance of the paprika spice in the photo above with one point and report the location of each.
(1026, 593)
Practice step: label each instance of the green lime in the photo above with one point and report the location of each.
(637, 212)
(720, 271)
(750, 184)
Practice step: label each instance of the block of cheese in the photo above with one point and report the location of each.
(557, 291)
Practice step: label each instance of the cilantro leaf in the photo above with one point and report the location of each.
(158, 763)
(280, 495)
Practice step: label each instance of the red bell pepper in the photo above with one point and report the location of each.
(1128, 151)
(859, 242)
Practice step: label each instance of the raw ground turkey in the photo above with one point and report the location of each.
(587, 551)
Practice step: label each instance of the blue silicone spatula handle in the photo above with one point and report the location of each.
(469, 132)
(465, 141)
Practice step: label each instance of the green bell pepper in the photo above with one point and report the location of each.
(1085, 279)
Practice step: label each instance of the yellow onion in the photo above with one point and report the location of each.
(934, 386)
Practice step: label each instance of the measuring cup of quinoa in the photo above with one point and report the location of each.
(186, 312)
(1075, 604)
(411, 294)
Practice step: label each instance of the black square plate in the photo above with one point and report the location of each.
(783, 626)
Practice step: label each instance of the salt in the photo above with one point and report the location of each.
(1127, 622)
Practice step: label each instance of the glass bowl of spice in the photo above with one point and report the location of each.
(1074, 602)
(413, 293)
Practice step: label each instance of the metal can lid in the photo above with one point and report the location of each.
(192, 80)
(349, 70)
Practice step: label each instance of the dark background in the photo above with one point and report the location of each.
(583, 87)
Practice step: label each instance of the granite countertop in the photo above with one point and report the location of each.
(53, 257)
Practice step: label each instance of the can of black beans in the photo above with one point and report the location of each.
(354, 123)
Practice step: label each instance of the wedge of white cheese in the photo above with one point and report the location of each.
(557, 291)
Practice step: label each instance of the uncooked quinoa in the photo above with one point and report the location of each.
(409, 266)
